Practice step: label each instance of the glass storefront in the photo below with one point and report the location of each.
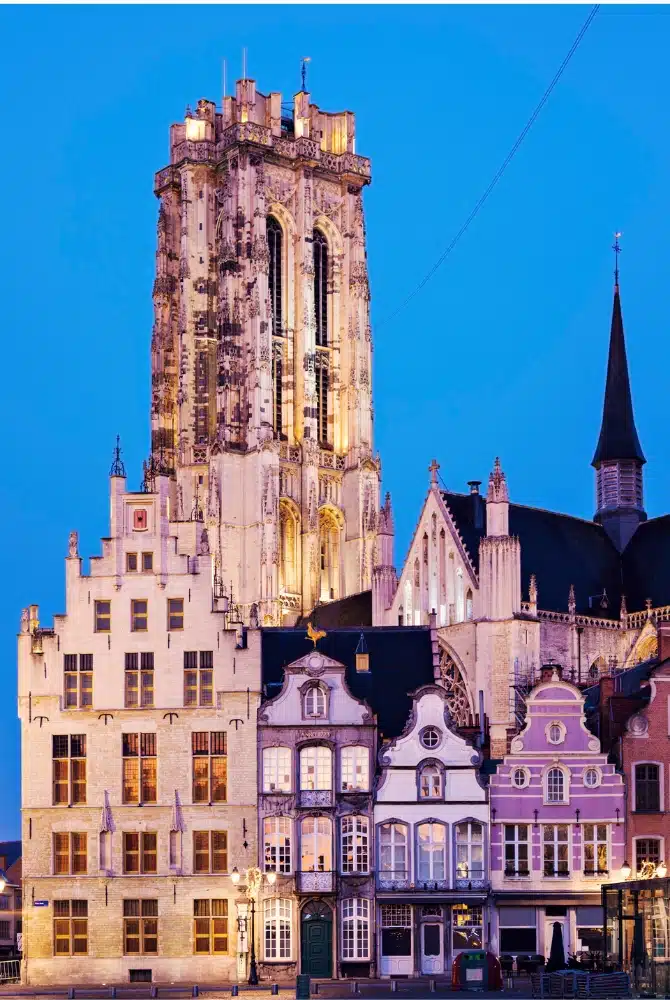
(636, 931)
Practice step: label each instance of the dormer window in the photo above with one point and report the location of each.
(430, 782)
(315, 702)
(555, 733)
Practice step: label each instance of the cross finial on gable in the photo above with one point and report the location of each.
(433, 469)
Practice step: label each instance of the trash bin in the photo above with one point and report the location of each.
(302, 987)
(476, 970)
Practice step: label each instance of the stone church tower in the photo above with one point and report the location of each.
(261, 350)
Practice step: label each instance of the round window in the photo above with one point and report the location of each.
(430, 737)
(519, 778)
(591, 777)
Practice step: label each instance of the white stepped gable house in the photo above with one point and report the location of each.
(131, 708)
(317, 745)
(431, 825)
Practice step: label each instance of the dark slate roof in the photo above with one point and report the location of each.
(560, 550)
(401, 660)
(618, 436)
(11, 850)
(646, 564)
(344, 613)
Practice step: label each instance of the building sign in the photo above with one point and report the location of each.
(40, 902)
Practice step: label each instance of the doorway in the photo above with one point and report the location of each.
(316, 940)
(549, 933)
(432, 960)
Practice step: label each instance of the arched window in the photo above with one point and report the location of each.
(469, 850)
(555, 785)
(356, 929)
(320, 245)
(393, 856)
(277, 844)
(316, 844)
(329, 556)
(275, 242)
(355, 767)
(321, 377)
(277, 924)
(289, 532)
(430, 782)
(316, 702)
(354, 844)
(316, 770)
(468, 606)
(432, 852)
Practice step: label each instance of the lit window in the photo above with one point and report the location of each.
(432, 849)
(647, 849)
(103, 616)
(139, 616)
(467, 927)
(175, 614)
(595, 848)
(139, 854)
(355, 769)
(430, 737)
(70, 854)
(316, 768)
(78, 683)
(139, 768)
(69, 770)
(70, 926)
(210, 851)
(140, 926)
(276, 769)
(430, 782)
(139, 680)
(469, 850)
(198, 681)
(354, 844)
(210, 767)
(316, 844)
(277, 844)
(210, 926)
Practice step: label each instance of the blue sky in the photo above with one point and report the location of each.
(503, 352)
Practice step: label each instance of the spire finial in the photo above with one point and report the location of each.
(617, 251)
(118, 468)
(433, 469)
(303, 72)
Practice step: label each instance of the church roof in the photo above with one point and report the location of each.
(400, 659)
(562, 551)
(347, 611)
(618, 436)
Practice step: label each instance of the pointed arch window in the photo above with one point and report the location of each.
(321, 378)
(320, 247)
(275, 246)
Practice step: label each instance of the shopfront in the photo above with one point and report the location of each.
(636, 931)
(423, 939)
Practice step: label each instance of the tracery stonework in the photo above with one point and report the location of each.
(250, 302)
(458, 702)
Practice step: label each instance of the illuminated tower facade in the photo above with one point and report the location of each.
(261, 350)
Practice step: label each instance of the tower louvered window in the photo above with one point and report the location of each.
(275, 239)
(321, 374)
(277, 372)
(320, 246)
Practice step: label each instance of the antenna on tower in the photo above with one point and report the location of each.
(118, 468)
(244, 64)
(225, 88)
(303, 72)
(617, 251)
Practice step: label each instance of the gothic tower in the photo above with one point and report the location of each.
(618, 457)
(261, 350)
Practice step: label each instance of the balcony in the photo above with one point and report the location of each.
(474, 883)
(316, 797)
(315, 881)
(393, 881)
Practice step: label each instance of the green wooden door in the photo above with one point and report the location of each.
(317, 946)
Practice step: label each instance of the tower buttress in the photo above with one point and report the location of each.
(618, 458)
(499, 554)
(384, 579)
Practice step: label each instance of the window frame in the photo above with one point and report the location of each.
(661, 788)
(516, 842)
(71, 919)
(198, 678)
(146, 849)
(360, 755)
(137, 616)
(562, 731)
(320, 768)
(565, 785)
(142, 918)
(278, 929)
(211, 919)
(318, 839)
(431, 764)
(471, 844)
(517, 769)
(556, 844)
(391, 847)
(72, 780)
(274, 769)
(139, 667)
(147, 774)
(69, 854)
(419, 849)
(147, 563)
(595, 841)
(278, 857)
(355, 929)
(102, 617)
(175, 614)
(646, 838)
(355, 844)
(130, 558)
(211, 778)
(80, 667)
(311, 691)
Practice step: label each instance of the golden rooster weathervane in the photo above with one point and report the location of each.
(315, 635)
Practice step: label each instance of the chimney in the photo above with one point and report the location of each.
(477, 504)
(474, 485)
(547, 671)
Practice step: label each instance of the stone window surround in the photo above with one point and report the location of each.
(565, 801)
(394, 821)
(300, 819)
(292, 768)
(432, 820)
(338, 768)
(431, 762)
(599, 774)
(305, 745)
(561, 726)
(527, 776)
(485, 847)
(340, 844)
(304, 689)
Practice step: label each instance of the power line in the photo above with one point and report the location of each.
(502, 168)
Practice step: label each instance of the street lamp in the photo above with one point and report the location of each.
(253, 879)
(625, 870)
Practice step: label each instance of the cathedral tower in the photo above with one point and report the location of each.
(261, 350)
(618, 457)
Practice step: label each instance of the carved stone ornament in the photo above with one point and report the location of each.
(73, 545)
(516, 745)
